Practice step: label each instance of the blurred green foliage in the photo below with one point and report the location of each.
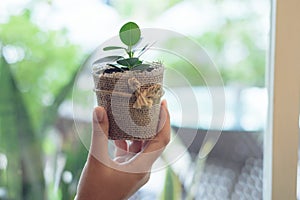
(24, 177)
(236, 43)
(38, 68)
(249, 68)
(43, 61)
(146, 9)
(37, 71)
(172, 187)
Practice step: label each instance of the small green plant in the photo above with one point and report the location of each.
(130, 35)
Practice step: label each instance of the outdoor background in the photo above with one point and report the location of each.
(43, 45)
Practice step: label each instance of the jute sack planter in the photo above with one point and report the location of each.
(131, 100)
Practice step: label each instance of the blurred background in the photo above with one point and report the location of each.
(43, 45)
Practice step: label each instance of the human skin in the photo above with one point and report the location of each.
(119, 178)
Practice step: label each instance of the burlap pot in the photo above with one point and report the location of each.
(132, 101)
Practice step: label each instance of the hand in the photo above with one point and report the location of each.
(104, 178)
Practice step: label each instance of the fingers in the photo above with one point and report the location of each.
(155, 147)
(99, 143)
(123, 152)
(143, 154)
(136, 146)
(121, 148)
(162, 116)
(163, 136)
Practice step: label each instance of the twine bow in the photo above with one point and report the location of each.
(144, 97)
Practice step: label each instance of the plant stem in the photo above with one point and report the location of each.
(194, 185)
(129, 52)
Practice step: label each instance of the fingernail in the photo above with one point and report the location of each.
(99, 114)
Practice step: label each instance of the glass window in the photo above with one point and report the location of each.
(215, 57)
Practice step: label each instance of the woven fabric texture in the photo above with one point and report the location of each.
(115, 95)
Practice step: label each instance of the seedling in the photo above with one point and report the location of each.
(138, 98)
(130, 35)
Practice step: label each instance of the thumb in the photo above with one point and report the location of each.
(100, 120)
(99, 142)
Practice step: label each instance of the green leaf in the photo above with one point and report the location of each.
(143, 49)
(130, 34)
(172, 188)
(108, 59)
(129, 62)
(16, 131)
(115, 66)
(112, 48)
(141, 67)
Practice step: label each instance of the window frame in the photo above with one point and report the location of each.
(283, 82)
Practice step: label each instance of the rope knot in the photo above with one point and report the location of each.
(144, 97)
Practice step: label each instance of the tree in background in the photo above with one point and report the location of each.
(234, 34)
(37, 70)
